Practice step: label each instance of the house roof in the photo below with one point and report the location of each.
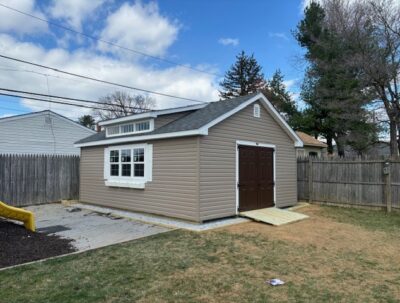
(310, 140)
(195, 122)
(43, 112)
(152, 114)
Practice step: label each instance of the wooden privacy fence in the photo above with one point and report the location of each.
(353, 182)
(35, 179)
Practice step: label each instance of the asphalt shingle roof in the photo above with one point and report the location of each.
(309, 140)
(192, 121)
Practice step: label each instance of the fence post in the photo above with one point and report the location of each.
(388, 185)
(310, 179)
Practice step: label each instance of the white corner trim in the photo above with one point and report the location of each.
(256, 144)
(152, 114)
(137, 185)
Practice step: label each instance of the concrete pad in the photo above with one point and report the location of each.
(274, 216)
(165, 221)
(89, 229)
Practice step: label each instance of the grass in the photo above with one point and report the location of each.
(372, 220)
(327, 258)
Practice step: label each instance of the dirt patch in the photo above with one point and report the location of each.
(19, 245)
(325, 233)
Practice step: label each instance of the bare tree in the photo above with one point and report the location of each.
(372, 28)
(120, 104)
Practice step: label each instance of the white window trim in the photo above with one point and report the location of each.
(130, 182)
(256, 144)
(130, 133)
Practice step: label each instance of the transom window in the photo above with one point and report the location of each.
(127, 162)
(130, 128)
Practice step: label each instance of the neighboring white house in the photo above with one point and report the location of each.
(43, 132)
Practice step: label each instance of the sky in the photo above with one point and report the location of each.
(203, 35)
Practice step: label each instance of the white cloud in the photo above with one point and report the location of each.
(174, 80)
(290, 83)
(229, 41)
(279, 36)
(14, 22)
(140, 27)
(73, 11)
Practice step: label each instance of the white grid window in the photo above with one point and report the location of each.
(121, 162)
(128, 164)
(130, 128)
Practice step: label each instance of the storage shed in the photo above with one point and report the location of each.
(196, 163)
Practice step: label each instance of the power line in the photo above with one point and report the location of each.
(57, 102)
(12, 69)
(99, 80)
(65, 98)
(107, 42)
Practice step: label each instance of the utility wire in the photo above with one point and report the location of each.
(59, 102)
(65, 98)
(107, 42)
(98, 80)
(21, 70)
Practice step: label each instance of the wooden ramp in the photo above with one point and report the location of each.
(274, 216)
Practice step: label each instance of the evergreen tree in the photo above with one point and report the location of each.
(335, 98)
(87, 121)
(243, 78)
(276, 93)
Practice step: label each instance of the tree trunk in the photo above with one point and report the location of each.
(340, 146)
(330, 144)
(394, 146)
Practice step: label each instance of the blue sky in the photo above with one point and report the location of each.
(206, 35)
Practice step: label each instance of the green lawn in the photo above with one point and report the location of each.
(337, 255)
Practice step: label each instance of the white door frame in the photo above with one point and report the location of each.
(255, 144)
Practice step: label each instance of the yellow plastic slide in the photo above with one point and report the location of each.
(18, 214)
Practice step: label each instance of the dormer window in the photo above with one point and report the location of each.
(130, 128)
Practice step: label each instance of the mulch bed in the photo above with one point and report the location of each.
(19, 245)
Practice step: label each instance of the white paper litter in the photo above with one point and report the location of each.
(275, 282)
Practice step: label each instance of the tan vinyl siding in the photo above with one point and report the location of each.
(173, 191)
(218, 161)
(165, 119)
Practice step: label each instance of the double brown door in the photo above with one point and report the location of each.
(256, 177)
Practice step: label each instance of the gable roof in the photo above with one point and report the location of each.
(196, 122)
(44, 112)
(310, 140)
